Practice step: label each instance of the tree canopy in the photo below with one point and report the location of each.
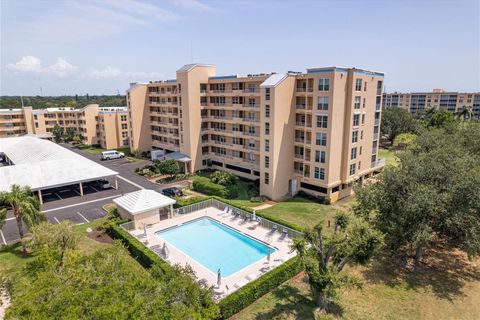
(76, 101)
(432, 195)
(397, 121)
(353, 242)
(107, 285)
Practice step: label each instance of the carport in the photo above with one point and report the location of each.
(44, 165)
(144, 207)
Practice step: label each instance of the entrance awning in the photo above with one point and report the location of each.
(178, 156)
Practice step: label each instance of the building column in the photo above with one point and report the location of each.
(171, 211)
(81, 189)
(40, 198)
(116, 183)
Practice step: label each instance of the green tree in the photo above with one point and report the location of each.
(70, 134)
(397, 121)
(57, 133)
(107, 285)
(169, 167)
(26, 208)
(223, 178)
(56, 239)
(3, 217)
(324, 258)
(441, 119)
(432, 195)
(465, 113)
(404, 140)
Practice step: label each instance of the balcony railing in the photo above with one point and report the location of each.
(250, 90)
(302, 89)
(378, 163)
(377, 122)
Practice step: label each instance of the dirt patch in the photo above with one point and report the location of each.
(100, 236)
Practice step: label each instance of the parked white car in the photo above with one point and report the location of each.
(113, 154)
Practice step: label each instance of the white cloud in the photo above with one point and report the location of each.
(110, 72)
(26, 64)
(194, 5)
(61, 68)
(31, 64)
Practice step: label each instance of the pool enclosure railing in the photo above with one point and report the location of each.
(242, 214)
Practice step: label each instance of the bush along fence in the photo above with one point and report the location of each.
(245, 295)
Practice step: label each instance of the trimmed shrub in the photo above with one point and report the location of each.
(223, 178)
(246, 295)
(138, 251)
(186, 202)
(204, 185)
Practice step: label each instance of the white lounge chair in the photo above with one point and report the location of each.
(252, 276)
(221, 213)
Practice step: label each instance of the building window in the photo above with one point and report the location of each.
(267, 128)
(124, 126)
(365, 86)
(354, 136)
(356, 120)
(353, 154)
(267, 93)
(357, 101)
(320, 156)
(323, 84)
(352, 169)
(321, 139)
(322, 103)
(267, 145)
(267, 111)
(363, 118)
(267, 162)
(267, 178)
(358, 84)
(319, 173)
(322, 121)
(123, 118)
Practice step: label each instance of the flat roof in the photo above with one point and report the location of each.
(42, 164)
(142, 201)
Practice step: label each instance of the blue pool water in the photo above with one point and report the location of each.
(215, 245)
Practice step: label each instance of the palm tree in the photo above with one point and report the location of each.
(26, 208)
(465, 113)
(3, 217)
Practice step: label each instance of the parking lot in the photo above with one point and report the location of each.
(65, 203)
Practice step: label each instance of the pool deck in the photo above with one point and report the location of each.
(236, 280)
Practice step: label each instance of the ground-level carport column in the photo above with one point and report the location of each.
(40, 198)
(171, 211)
(81, 189)
(116, 183)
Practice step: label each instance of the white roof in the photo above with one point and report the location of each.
(274, 80)
(42, 164)
(142, 201)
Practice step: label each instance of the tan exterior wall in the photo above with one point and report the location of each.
(149, 217)
(222, 121)
(139, 115)
(84, 121)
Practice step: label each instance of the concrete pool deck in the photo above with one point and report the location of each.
(277, 239)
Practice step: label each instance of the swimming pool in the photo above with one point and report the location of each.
(215, 245)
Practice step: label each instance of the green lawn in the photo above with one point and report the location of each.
(389, 156)
(302, 212)
(451, 290)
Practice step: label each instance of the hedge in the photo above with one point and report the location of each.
(204, 185)
(138, 250)
(247, 294)
(320, 199)
(189, 201)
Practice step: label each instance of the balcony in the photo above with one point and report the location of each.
(378, 163)
(253, 105)
(304, 124)
(303, 140)
(303, 107)
(299, 156)
(304, 89)
(250, 120)
(375, 136)
(252, 134)
(377, 122)
(250, 90)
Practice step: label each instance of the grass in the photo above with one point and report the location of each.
(389, 156)
(125, 150)
(449, 288)
(302, 212)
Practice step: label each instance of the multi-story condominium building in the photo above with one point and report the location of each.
(107, 127)
(316, 131)
(437, 99)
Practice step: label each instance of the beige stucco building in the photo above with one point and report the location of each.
(316, 131)
(105, 126)
(438, 99)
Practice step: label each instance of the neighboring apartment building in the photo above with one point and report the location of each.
(316, 131)
(437, 99)
(105, 126)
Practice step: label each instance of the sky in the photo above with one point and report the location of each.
(100, 47)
